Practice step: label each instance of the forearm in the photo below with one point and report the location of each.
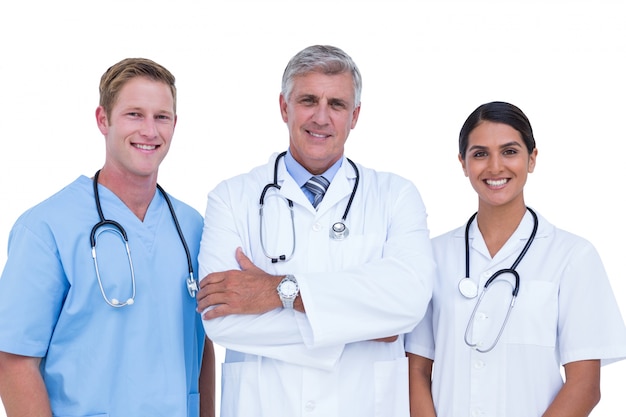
(207, 381)
(580, 393)
(22, 388)
(421, 400)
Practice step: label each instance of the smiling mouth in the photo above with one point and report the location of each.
(318, 135)
(496, 183)
(145, 147)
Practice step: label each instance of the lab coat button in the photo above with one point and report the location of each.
(479, 364)
(310, 406)
(317, 227)
(487, 274)
(481, 316)
(477, 412)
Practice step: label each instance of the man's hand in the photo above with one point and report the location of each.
(246, 291)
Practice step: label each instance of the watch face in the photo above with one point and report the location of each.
(288, 289)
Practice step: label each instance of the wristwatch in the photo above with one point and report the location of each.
(288, 290)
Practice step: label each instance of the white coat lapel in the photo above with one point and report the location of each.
(339, 188)
(289, 189)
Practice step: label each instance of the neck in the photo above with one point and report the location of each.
(136, 192)
(497, 224)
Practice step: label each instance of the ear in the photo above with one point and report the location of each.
(355, 116)
(532, 160)
(283, 107)
(102, 120)
(463, 164)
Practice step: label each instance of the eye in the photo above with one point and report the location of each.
(338, 104)
(307, 101)
(510, 152)
(479, 154)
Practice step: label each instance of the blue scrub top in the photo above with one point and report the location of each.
(139, 360)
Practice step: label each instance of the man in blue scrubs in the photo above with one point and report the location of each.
(102, 331)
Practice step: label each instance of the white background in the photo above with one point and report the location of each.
(426, 65)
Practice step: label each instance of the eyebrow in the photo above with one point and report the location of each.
(504, 145)
(331, 100)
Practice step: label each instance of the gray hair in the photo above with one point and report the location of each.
(328, 60)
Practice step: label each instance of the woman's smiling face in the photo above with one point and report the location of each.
(497, 163)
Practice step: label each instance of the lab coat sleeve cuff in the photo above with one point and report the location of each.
(324, 358)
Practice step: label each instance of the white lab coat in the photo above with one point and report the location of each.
(565, 311)
(375, 283)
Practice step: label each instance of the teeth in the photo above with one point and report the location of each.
(145, 147)
(496, 183)
(317, 135)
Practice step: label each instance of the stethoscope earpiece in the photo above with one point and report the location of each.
(116, 302)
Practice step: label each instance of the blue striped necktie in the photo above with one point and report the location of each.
(318, 186)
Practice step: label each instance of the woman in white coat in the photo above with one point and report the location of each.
(492, 357)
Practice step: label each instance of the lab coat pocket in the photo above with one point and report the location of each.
(356, 249)
(391, 388)
(534, 319)
(240, 389)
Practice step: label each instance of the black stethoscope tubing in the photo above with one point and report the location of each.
(517, 261)
(192, 285)
(466, 292)
(338, 229)
(275, 185)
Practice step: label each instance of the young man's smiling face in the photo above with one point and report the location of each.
(140, 128)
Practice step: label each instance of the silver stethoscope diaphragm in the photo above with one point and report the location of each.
(468, 288)
(339, 231)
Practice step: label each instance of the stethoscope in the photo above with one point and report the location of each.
(470, 289)
(115, 227)
(338, 231)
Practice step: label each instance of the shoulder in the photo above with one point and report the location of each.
(62, 204)
(384, 180)
(56, 219)
(450, 237)
(184, 208)
(561, 238)
(189, 219)
(244, 182)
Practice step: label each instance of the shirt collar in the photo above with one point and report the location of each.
(301, 175)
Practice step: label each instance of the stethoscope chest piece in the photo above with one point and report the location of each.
(468, 288)
(192, 286)
(339, 231)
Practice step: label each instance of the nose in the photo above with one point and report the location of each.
(495, 163)
(148, 128)
(322, 114)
